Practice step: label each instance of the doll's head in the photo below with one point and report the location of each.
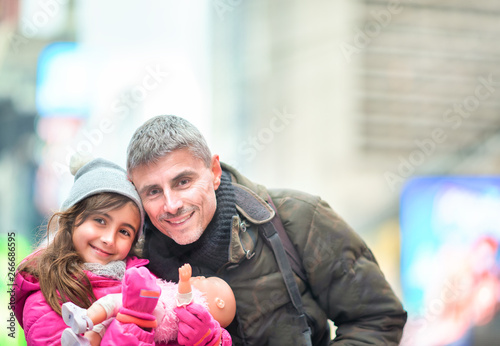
(219, 296)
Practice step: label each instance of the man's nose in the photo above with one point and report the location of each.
(173, 202)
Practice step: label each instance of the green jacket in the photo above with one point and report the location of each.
(345, 283)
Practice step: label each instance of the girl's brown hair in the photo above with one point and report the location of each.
(57, 266)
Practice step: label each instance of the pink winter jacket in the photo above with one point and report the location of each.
(43, 326)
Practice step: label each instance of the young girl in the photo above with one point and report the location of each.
(89, 249)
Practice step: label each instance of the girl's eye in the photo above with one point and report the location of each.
(99, 220)
(125, 232)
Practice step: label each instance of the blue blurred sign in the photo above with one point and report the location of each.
(63, 84)
(450, 235)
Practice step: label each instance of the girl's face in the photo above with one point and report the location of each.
(106, 237)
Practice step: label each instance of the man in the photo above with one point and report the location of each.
(207, 214)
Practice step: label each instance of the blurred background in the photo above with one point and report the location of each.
(389, 110)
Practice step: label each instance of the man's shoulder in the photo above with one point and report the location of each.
(277, 194)
(292, 195)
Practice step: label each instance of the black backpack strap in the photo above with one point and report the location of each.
(291, 251)
(264, 216)
(258, 212)
(271, 235)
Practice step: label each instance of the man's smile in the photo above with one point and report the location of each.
(178, 220)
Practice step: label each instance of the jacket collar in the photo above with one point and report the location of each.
(251, 206)
(253, 211)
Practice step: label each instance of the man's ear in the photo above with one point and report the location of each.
(216, 171)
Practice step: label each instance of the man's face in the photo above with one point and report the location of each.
(178, 193)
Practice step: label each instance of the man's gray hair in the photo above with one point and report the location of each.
(162, 135)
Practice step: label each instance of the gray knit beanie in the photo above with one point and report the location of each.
(98, 176)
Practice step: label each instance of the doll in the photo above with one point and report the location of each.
(211, 293)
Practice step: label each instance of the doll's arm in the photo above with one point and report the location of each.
(185, 294)
(197, 325)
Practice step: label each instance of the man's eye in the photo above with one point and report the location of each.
(183, 182)
(154, 192)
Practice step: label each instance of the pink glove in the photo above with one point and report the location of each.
(197, 326)
(226, 338)
(140, 296)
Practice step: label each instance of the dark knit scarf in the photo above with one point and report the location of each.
(207, 254)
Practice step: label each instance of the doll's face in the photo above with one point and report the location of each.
(220, 298)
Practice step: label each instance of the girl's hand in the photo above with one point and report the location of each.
(197, 326)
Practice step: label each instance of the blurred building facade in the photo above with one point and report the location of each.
(376, 92)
